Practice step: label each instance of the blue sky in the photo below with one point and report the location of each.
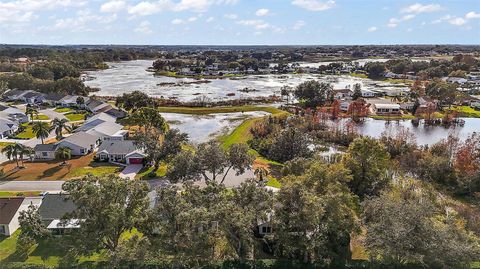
(240, 22)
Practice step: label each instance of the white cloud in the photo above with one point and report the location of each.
(231, 16)
(144, 28)
(472, 15)
(393, 22)
(80, 22)
(299, 24)
(457, 21)
(419, 8)
(392, 25)
(177, 21)
(314, 5)
(257, 24)
(210, 19)
(372, 29)
(113, 6)
(145, 8)
(22, 11)
(262, 12)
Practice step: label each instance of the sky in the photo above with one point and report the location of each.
(239, 22)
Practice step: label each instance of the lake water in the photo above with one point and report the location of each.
(201, 128)
(128, 76)
(425, 135)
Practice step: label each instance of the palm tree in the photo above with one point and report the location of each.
(64, 154)
(11, 151)
(261, 173)
(41, 130)
(31, 111)
(59, 125)
(24, 150)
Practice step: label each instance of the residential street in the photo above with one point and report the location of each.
(50, 186)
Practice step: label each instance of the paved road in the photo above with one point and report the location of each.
(50, 186)
(131, 171)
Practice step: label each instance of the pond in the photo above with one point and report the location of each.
(425, 135)
(201, 128)
(123, 77)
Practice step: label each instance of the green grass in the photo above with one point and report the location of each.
(466, 111)
(40, 117)
(4, 144)
(358, 75)
(75, 116)
(402, 117)
(96, 169)
(27, 133)
(63, 109)
(273, 182)
(222, 109)
(19, 193)
(144, 173)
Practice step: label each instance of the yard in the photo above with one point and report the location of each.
(27, 133)
(52, 170)
(18, 193)
(75, 116)
(466, 111)
(144, 173)
(40, 117)
(63, 109)
(4, 144)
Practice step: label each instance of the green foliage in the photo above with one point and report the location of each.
(313, 93)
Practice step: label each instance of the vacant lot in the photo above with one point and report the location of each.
(53, 170)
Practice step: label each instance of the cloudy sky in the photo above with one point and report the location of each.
(228, 22)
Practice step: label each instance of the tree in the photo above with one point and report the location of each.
(41, 130)
(134, 100)
(12, 152)
(147, 118)
(3, 87)
(107, 207)
(405, 225)
(64, 154)
(285, 91)
(31, 111)
(375, 69)
(59, 125)
(357, 91)
(288, 144)
(80, 101)
(368, 160)
(31, 223)
(24, 150)
(313, 93)
(315, 215)
(72, 86)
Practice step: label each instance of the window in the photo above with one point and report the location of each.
(266, 229)
(44, 154)
(2, 229)
(82, 151)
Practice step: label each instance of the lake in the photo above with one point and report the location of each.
(123, 77)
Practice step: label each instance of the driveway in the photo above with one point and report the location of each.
(52, 114)
(131, 171)
(50, 186)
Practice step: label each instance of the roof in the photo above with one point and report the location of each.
(105, 128)
(54, 96)
(32, 94)
(14, 93)
(117, 113)
(6, 125)
(92, 103)
(101, 116)
(394, 106)
(55, 206)
(8, 208)
(80, 139)
(69, 224)
(45, 147)
(117, 147)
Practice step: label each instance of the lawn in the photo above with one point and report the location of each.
(18, 193)
(52, 170)
(27, 133)
(143, 174)
(223, 109)
(75, 116)
(402, 117)
(466, 111)
(4, 144)
(40, 117)
(63, 109)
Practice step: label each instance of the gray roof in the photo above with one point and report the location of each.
(55, 206)
(89, 125)
(13, 93)
(105, 128)
(92, 103)
(45, 147)
(8, 208)
(32, 94)
(117, 113)
(117, 147)
(6, 125)
(80, 139)
(54, 96)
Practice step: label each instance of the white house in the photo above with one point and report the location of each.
(386, 109)
(123, 151)
(10, 209)
(367, 93)
(45, 151)
(7, 128)
(80, 143)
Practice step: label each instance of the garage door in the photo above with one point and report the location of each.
(135, 160)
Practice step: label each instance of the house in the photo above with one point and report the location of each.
(7, 128)
(14, 95)
(71, 101)
(342, 93)
(101, 117)
(13, 114)
(124, 151)
(407, 105)
(344, 106)
(456, 80)
(9, 211)
(54, 207)
(386, 109)
(367, 93)
(97, 106)
(45, 151)
(116, 113)
(80, 143)
(53, 98)
(33, 97)
(108, 131)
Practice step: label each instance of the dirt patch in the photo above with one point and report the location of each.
(45, 170)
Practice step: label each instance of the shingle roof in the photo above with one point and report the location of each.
(117, 147)
(54, 96)
(92, 103)
(6, 125)
(13, 93)
(105, 128)
(45, 147)
(117, 113)
(55, 206)
(8, 208)
(32, 94)
(81, 139)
